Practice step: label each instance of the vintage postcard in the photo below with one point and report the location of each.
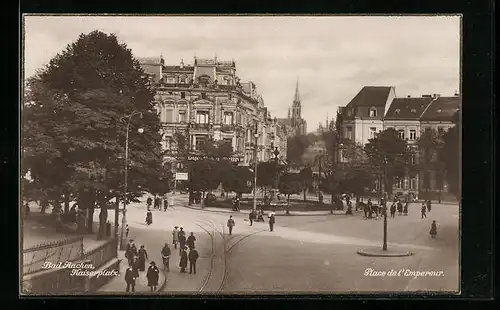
(240, 154)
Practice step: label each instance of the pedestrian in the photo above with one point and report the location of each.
(423, 211)
(433, 231)
(153, 275)
(149, 201)
(193, 257)
(429, 205)
(349, 208)
(190, 241)
(251, 216)
(393, 209)
(366, 207)
(230, 224)
(405, 208)
(272, 220)
(400, 207)
(131, 275)
(127, 230)
(165, 204)
(142, 257)
(175, 236)
(182, 239)
(26, 209)
(129, 252)
(165, 255)
(184, 260)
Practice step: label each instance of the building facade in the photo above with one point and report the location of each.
(206, 100)
(375, 109)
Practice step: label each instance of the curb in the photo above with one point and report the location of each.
(369, 252)
(164, 284)
(291, 214)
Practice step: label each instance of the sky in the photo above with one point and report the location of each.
(332, 57)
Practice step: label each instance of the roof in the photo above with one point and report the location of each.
(205, 71)
(370, 96)
(246, 87)
(178, 68)
(407, 108)
(285, 121)
(149, 60)
(442, 109)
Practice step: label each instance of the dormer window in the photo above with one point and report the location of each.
(373, 112)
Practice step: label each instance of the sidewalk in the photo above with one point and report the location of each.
(278, 212)
(118, 284)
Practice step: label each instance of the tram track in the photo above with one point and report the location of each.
(227, 248)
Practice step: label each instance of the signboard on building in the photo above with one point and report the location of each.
(181, 176)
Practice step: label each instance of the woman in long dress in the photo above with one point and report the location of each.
(142, 257)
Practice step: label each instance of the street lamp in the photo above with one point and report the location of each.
(256, 136)
(384, 246)
(123, 242)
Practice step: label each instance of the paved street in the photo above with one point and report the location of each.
(310, 253)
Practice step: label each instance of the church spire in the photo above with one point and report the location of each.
(297, 97)
(289, 115)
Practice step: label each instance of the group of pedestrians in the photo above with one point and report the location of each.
(136, 264)
(156, 202)
(179, 237)
(426, 207)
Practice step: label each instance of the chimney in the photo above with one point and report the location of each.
(182, 63)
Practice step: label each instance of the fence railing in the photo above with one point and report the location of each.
(42, 256)
(103, 254)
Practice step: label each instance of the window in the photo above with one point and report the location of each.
(373, 112)
(182, 80)
(440, 130)
(230, 96)
(183, 95)
(200, 141)
(228, 141)
(413, 134)
(401, 134)
(170, 80)
(202, 117)
(203, 95)
(413, 159)
(400, 183)
(348, 132)
(413, 182)
(169, 115)
(182, 116)
(373, 132)
(228, 118)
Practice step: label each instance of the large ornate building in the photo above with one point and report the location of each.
(375, 109)
(207, 100)
(295, 124)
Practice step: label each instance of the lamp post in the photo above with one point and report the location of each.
(256, 136)
(384, 246)
(123, 242)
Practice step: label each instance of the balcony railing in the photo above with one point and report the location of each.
(228, 127)
(198, 126)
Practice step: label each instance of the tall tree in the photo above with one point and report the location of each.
(387, 153)
(73, 123)
(450, 156)
(429, 146)
(306, 178)
(296, 146)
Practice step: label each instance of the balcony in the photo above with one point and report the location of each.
(228, 127)
(198, 126)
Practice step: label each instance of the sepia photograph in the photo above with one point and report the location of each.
(240, 154)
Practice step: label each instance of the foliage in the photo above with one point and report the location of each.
(267, 173)
(449, 156)
(388, 155)
(306, 178)
(290, 183)
(429, 145)
(296, 146)
(72, 135)
(239, 180)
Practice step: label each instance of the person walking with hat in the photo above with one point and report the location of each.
(175, 236)
(193, 257)
(153, 275)
(230, 224)
(272, 220)
(131, 275)
(182, 239)
(184, 260)
(190, 241)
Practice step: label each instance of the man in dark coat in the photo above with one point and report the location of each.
(184, 260)
(129, 252)
(131, 275)
(251, 217)
(193, 256)
(393, 209)
(190, 241)
(153, 275)
(230, 224)
(429, 205)
(142, 257)
(165, 204)
(405, 208)
(422, 211)
(149, 201)
(272, 220)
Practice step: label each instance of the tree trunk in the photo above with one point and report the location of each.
(288, 205)
(66, 203)
(305, 192)
(90, 219)
(103, 218)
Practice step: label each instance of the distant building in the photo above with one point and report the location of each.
(295, 124)
(207, 100)
(375, 109)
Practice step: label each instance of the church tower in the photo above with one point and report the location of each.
(296, 107)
